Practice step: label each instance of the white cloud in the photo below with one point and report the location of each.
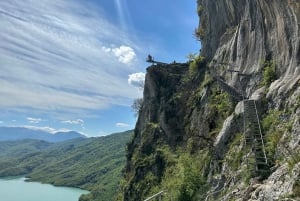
(125, 54)
(45, 128)
(77, 121)
(122, 125)
(102, 133)
(34, 120)
(136, 79)
(48, 129)
(106, 49)
(1, 122)
(53, 58)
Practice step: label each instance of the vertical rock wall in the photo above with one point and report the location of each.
(247, 33)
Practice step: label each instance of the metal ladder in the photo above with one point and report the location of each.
(254, 137)
(252, 128)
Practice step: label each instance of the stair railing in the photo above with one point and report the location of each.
(261, 136)
(157, 195)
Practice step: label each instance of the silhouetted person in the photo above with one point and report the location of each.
(150, 58)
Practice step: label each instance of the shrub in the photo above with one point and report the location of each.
(200, 9)
(269, 73)
(196, 64)
(199, 33)
(185, 180)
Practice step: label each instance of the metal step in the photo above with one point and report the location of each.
(254, 133)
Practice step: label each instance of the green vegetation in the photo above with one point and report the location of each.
(296, 189)
(235, 154)
(185, 180)
(296, 105)
(200, 9)
(271, 127)
(269, 73)
(22, 147)
(94, 164)
(191, 57)
(295, 158)
(274, 128)
(221, 107)
(196, 63)
(199, 33)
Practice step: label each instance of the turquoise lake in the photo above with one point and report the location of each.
(16, 189)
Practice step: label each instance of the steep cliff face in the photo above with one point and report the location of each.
(245, 34)
(225, 126)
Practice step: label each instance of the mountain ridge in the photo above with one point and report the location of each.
(21, 133)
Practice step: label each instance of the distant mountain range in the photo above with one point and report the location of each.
(21, 133)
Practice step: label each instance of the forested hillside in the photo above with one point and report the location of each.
(94, 164)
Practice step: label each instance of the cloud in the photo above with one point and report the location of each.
(124, 54)
(77, 121)
(122, 125)
(136, 79)
(1, 122)
(102, 133)
(33, 120)
(46, 129)
(54, 57)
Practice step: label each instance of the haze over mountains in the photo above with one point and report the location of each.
(21, 133)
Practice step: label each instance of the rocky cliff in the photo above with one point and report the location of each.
(226, 125)
(245, 34)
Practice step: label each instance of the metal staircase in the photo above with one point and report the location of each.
(254, 137)
(229, 89)
(252, 129)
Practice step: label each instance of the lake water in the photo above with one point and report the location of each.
(16, 189)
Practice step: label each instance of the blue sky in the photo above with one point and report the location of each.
(76, 64)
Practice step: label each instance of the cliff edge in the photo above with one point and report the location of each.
(224, 126)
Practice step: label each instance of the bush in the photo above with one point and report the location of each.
(185, 180)
(199, 33)
(269, 73)
(200, 9)
(197, 63)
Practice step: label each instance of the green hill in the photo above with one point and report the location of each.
(94, 164)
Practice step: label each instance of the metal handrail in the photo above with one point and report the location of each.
(261, 136)
(155, 196)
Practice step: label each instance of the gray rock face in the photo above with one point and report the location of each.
(242, 36)
(185, 110)
(247, 33)
(279, 184)
(158, 107)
